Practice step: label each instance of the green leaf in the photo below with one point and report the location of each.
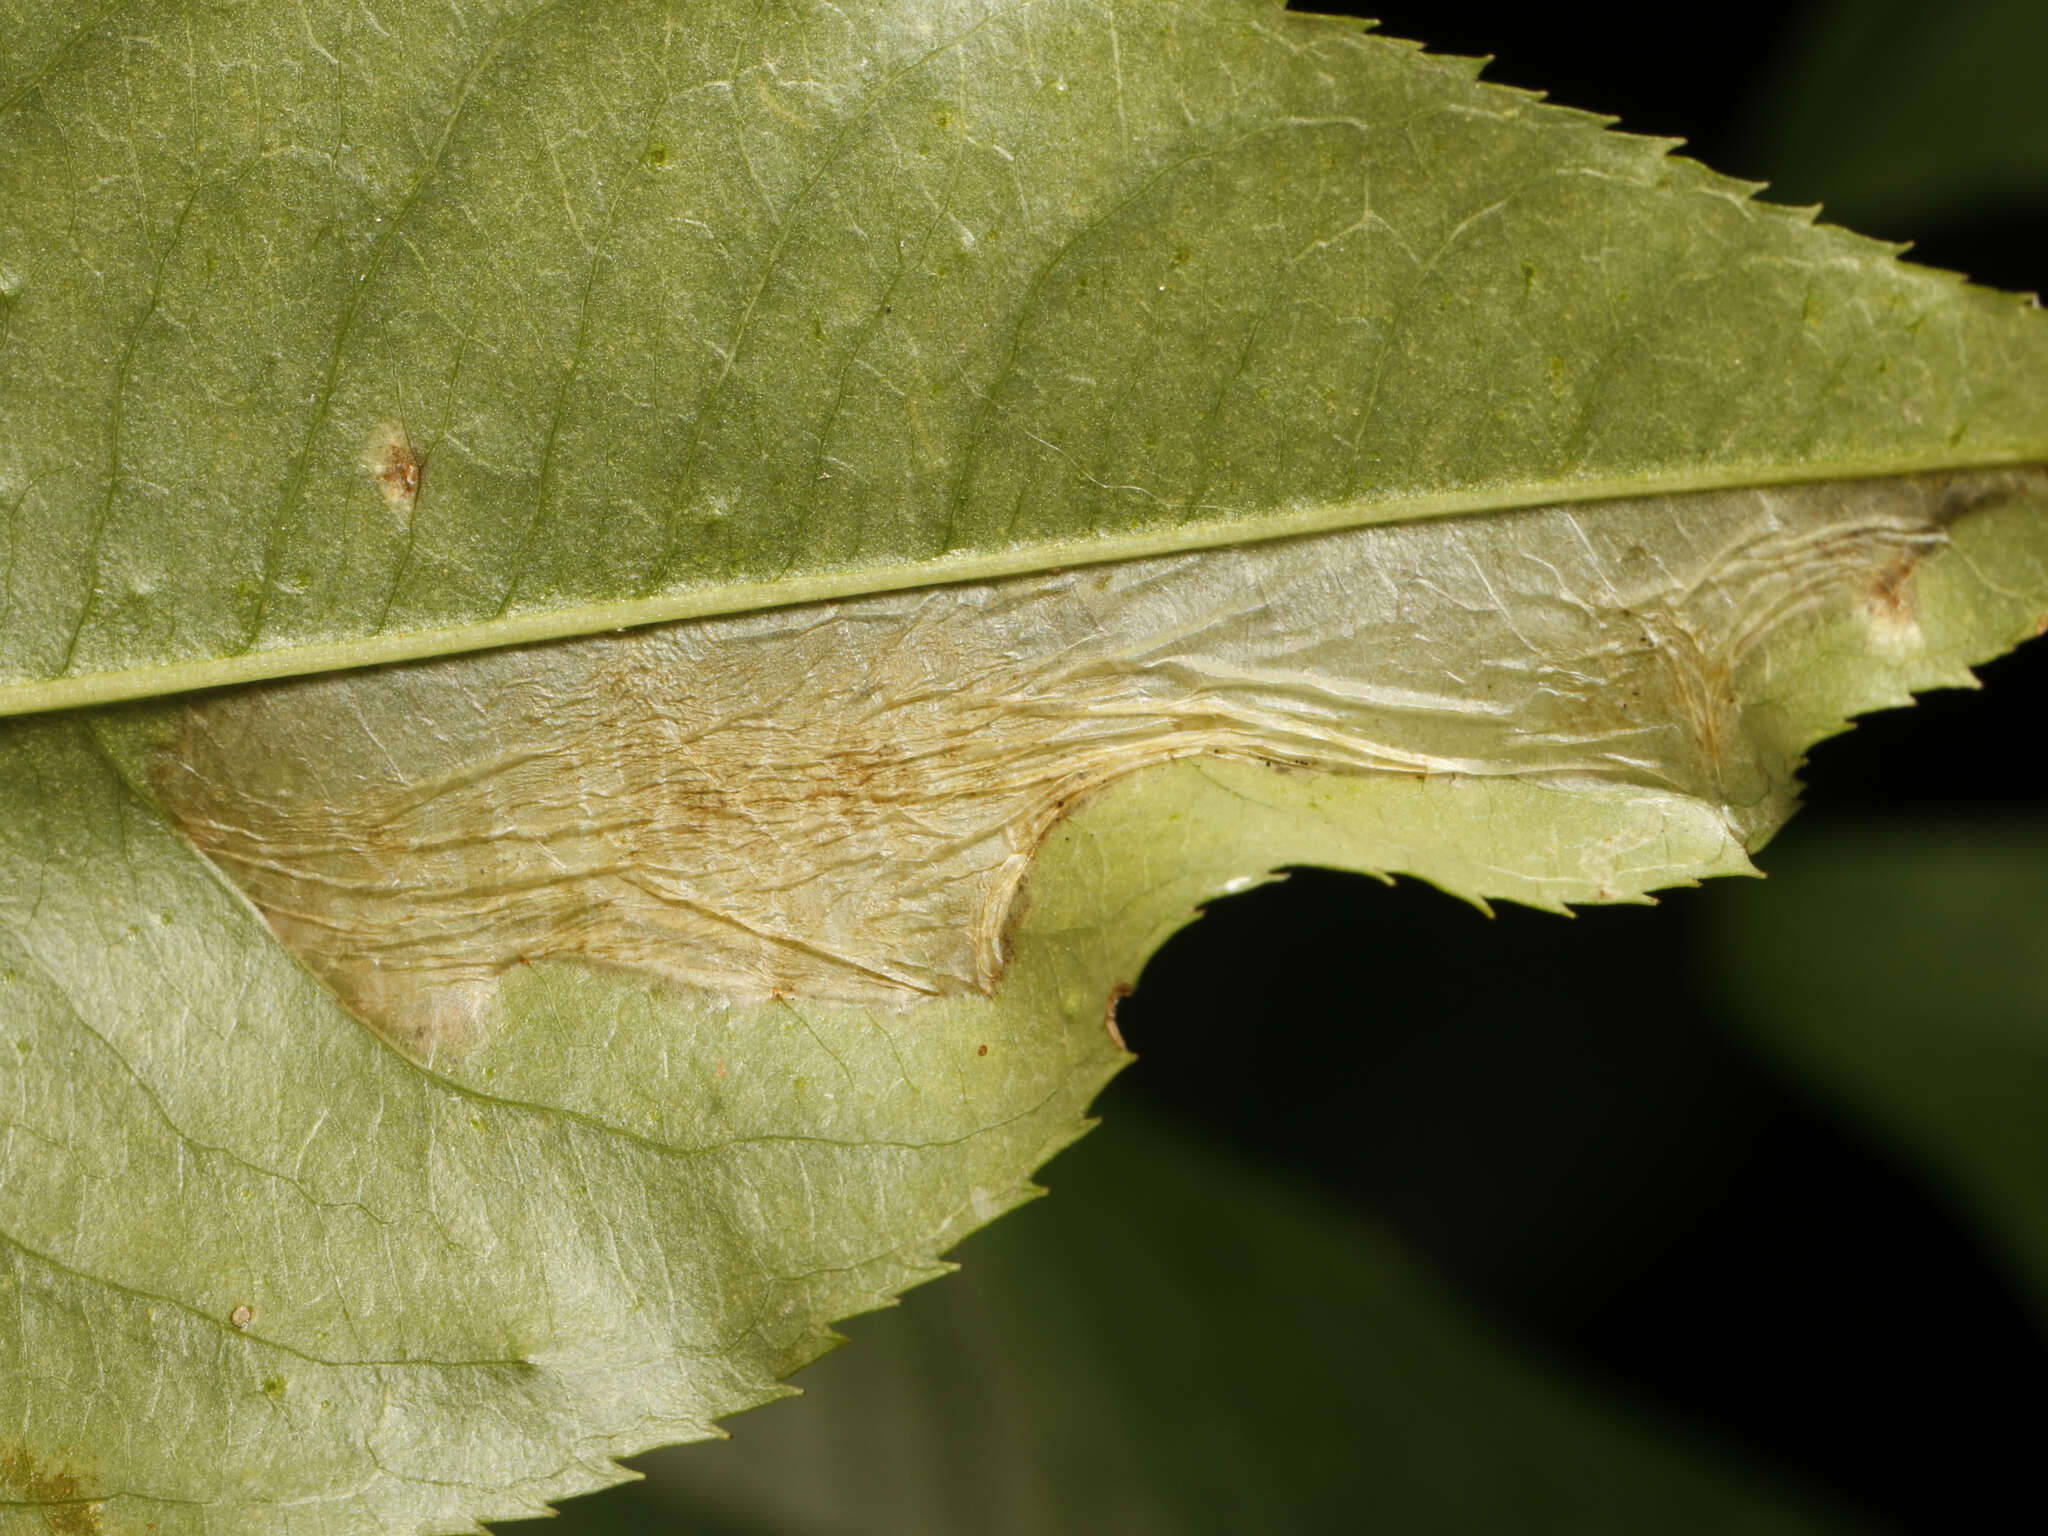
(425, 1084)
(334, 336)
(1177, 1342)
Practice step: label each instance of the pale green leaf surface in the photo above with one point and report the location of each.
(1128, 1356)
(425, 1085)
(694, 307)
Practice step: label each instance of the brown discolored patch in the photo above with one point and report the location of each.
(396, 465)
(983, 1051)
(242, 1317)
(1890, 603)
(1117, 994)
(69, 1508)
(841, 801)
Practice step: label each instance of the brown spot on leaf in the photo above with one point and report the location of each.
(69, 1508)
(1891, 594)
(242, 1316)
(1117, 994)
(982, 1052)
(396, 465)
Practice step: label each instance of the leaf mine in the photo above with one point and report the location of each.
(841, 801)
(395, 464)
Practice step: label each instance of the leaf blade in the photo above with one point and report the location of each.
(1181, 314)
(678, 1183)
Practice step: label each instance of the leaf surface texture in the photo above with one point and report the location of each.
(682, 309)
(1082, 459)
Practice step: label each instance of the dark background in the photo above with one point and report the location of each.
(1585, 1155)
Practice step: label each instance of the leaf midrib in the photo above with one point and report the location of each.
(41, 695)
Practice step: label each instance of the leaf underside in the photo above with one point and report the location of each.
(425, 1084)
(329, 336)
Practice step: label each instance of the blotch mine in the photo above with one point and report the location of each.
(842, 800)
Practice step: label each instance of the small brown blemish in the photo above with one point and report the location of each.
(1890, 607)
(719, 1070)
(396, 465)
(69, 1508)
(1117, 994)
(242, 1316)
(983, 1051)
(1891, 595)
(2041, 626)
